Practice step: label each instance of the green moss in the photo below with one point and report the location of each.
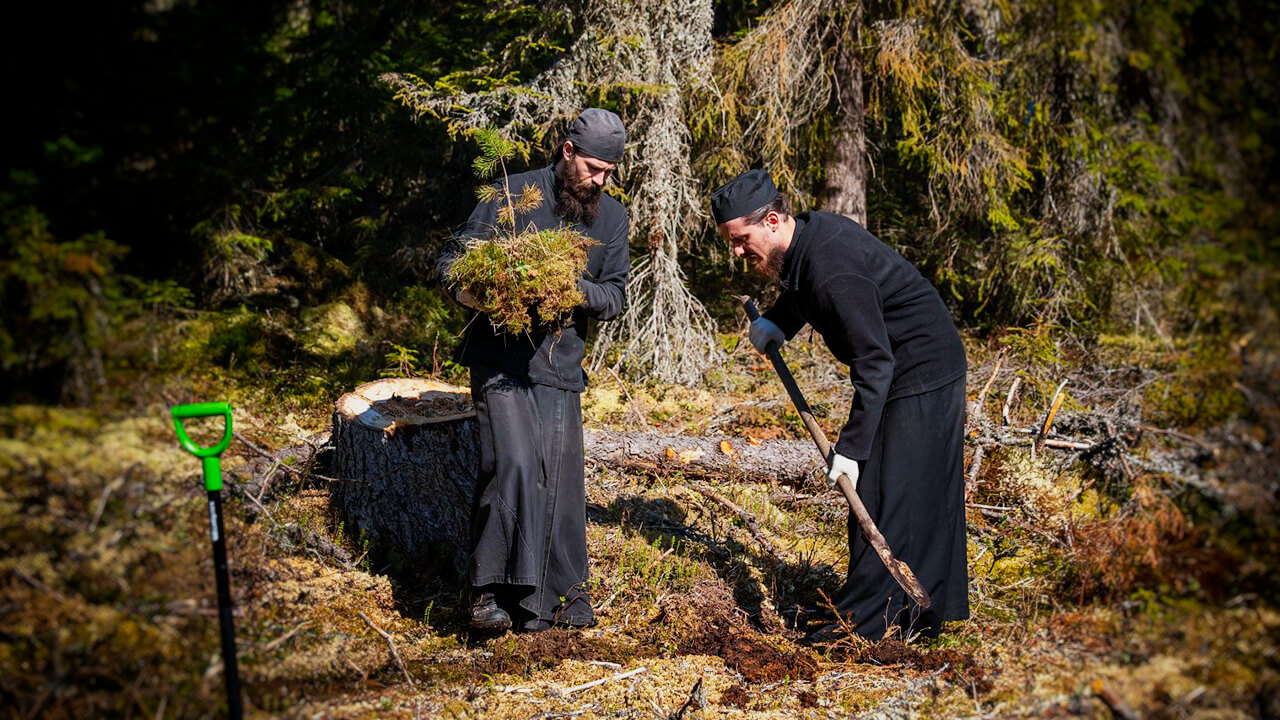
(510, 275)
(330, 329)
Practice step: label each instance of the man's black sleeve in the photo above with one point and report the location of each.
(785, 315)
(606, 296)
(853, 303)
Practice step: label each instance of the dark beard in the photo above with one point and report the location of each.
(576, 202)
(771, 268)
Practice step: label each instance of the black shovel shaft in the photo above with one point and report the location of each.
(789, 382)
(905, 578)
(229, 670)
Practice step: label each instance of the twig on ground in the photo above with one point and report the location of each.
(631, 403)
(974, 466)
(395, 654)
(102, 500)
(982, 396)
(1008, 400)
(1054, 404)
(1114, 702)
(603, 680)
(271, 646)
(747, 520)
(697, 698)
(35, 583)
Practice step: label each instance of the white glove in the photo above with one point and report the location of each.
(841, 464)
(763, 332)
(466, 299)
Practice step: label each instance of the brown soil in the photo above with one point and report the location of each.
(525, 653)
(757, 660)
(957, 666)
(712, 624)
(735, 695)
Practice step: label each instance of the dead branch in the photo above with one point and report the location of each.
(974, 466)
(1008, 401)
(747, 520)
(982, 396)
(271, 646)
(1114, 702)
(603, 680)
(631, 403)
(102, 501)
(1054, 404)
(395, 654)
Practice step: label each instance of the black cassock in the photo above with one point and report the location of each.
(528, 528)
(878, 315)
(913, 488)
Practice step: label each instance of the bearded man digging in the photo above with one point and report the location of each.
(902, 446)
(528, 559)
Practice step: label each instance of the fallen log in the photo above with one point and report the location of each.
(787, 462)
(405, 458)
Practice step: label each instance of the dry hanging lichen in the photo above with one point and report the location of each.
(514, 275)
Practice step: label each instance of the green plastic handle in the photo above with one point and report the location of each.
(209, 455)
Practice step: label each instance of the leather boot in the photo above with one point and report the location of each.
(487, 615)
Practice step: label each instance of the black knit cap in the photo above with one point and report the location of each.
(744, 194)
(598, 133)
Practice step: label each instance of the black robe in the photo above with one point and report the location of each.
(528, 531)
(878, 315)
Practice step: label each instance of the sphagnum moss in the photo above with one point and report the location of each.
(518, 271)
(509, 276)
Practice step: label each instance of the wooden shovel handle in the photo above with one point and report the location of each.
(900, 571)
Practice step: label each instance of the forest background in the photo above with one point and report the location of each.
(1047, 164)
(205, 200)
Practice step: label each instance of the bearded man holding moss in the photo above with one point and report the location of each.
(903, 444)
(528, 556)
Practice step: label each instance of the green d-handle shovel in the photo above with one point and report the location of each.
(213, 484)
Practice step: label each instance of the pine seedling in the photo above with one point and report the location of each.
(518, 271)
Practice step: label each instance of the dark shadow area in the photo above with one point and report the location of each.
(793, 587)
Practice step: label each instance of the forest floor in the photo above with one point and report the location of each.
(1127, 567)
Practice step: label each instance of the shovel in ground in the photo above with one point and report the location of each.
(898, 569)
(213, 484)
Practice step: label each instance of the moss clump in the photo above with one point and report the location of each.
(515, 272)
(509, 276)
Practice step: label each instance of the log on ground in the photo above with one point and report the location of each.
(787, 462)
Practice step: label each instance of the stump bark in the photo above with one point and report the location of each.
(405, 453)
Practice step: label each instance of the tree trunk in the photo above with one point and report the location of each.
(405, 459)
(845, 190)
(405, 454)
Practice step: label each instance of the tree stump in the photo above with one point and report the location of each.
(405, 451)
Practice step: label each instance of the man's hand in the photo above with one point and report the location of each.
(466, 299)
(841, 464)
(763, 332)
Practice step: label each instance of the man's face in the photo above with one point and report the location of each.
(762, 246)
(586, 174)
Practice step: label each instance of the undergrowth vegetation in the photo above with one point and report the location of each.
(1143, 561)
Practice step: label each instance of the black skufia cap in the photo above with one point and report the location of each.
(598, 133)
(744, 194)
